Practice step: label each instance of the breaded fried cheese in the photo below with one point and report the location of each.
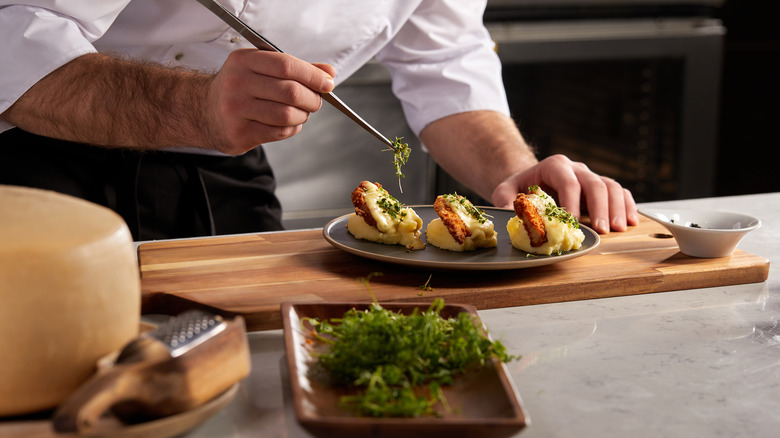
(532, 219)
(541, 227)
(460, 226)
(379, 217)
(455, 225)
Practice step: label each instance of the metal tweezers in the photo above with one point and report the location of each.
(263, 44)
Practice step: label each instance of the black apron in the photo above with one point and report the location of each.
(160, 195)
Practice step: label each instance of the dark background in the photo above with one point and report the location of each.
(750, 104)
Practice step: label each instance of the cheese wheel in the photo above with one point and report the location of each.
(69, 294)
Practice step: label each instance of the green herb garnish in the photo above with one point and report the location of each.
(552, 211)
(470, 209)
(390, 358)
(390, 205)
(401, 153)
(427, 286)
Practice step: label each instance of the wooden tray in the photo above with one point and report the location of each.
(484, 402)
(251, 275)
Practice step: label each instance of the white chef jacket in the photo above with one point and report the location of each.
(438, 52)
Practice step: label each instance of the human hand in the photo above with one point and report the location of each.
(259, 97)
(609, 205)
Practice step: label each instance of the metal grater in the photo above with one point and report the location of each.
(187, 330)
(165, 371)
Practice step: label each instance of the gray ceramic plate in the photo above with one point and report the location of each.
(504, 256)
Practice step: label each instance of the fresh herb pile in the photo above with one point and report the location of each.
(388, 357)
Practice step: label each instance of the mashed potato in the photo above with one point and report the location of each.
(395, 224)
(481, 237)
(562, 230)
(457, 215)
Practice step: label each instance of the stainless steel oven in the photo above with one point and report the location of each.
(630, 87)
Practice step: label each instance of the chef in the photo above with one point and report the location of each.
(157, 109)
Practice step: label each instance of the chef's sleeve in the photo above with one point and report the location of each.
(443, 62)
(40, 36)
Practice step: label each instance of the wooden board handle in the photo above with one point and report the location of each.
(82, 410)
(149, 383)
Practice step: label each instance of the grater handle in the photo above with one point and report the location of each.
(81, 412)
(156, 383)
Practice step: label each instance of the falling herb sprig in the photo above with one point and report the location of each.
(427, 286)
(401, 152)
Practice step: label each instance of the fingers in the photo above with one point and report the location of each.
(606, 206)
(564, 178)
(318, 78)
(331, 71)
(617, 206)
(505, 193)
(259, 97)
(609, 205)
(280, 78)
(632, 215)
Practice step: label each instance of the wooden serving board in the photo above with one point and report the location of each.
(251, 275)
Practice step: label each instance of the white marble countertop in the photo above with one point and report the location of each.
(691, 363)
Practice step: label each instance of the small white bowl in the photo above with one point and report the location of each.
(704, 233)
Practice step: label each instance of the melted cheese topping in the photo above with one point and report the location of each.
(562, 236)
(482, 235)
(403, 229)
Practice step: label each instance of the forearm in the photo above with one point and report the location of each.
(480, 149)
(100, 100)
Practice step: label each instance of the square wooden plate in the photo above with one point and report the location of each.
(484, 402)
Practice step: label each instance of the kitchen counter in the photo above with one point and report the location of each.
(699, 362)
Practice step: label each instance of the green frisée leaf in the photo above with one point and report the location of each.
(398, 363)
